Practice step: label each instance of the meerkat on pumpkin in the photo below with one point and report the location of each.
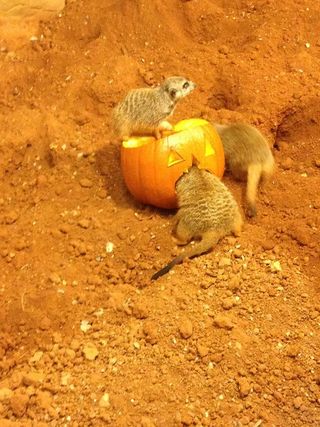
(144, 111)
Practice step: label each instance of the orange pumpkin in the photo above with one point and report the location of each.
(152, 167)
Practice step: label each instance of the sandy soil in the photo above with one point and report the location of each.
(228, 339)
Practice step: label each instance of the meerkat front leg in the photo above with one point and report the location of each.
(163, 126)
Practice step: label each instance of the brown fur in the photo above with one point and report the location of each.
(207, 211)
(144, 110)
(248, 156)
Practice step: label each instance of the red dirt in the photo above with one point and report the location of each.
(228, 339)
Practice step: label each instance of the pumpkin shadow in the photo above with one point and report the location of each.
(108, 164)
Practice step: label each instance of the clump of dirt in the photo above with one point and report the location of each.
(228, 339)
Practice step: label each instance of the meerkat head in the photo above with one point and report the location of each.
(178, 87)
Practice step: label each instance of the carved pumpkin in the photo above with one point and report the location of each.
(152, 167)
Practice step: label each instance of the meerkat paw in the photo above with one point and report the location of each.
(165, 125)
(162, 128)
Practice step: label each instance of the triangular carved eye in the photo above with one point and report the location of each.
(174, 158)
(209, 150)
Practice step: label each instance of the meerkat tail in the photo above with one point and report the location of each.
(254, 175)
(209, 239)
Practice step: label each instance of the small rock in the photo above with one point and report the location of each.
(186, 328)
(223, 322)
(90, 351)
(287, 163)
(140, 311)
(203, 351)
(11, 217)
(85, 326)
(44, 399)
(237, 253)
(297, 402)
(75, 345)
(317, 163)
(55, 278)
(84, 223)
(150, 332)
(109, 247)
(224, 262)
(86, 183)
(244, 387)
(267, 245)
(19, 403)
(275, 266)
(5, 393)
(45, 323)
(65, 378)
(228, 303)
(104, 402)
(32, 378)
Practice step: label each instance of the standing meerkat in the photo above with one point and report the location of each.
(207, 211)
(145, 110)
(248, 156)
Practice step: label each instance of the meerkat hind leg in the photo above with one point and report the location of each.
(183, 234)
(254, 174)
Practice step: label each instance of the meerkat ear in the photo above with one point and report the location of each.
(173, 93)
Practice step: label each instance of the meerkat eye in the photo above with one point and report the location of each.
(186, 85)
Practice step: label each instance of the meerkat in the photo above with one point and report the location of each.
(145, 110)
(248, 157)
(207, 211)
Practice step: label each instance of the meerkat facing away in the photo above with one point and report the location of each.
(248, 156)
(144, 110)
(207, 210)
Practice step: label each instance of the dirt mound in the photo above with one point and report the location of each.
(227, 339)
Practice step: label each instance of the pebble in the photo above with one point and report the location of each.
(267, 245)
(86, 183)
(224, 262)
(5, 393)
(150, 332)
(317, 163)
(203, 351)
(287, 163)
(84, 223)
(85, 326)
(228, 303)
(90, 351)
(65, 378)
(244, 387)
(54, 278)
(104, 402)
(223, 322)
(297, 402)
(11, 217)
(186, 328)
(19, 403)
(32, 378)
